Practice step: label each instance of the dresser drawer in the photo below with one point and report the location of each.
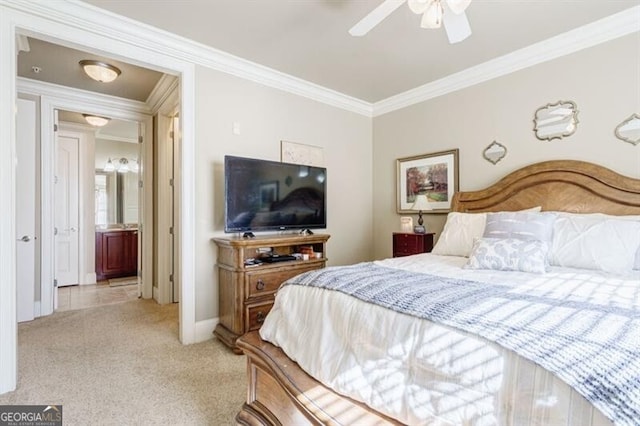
(263, 283)
(406, 244)
(255, 315)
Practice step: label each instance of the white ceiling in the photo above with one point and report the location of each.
(309, 39)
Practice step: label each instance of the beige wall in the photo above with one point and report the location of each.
(266, 116)
(604, 81)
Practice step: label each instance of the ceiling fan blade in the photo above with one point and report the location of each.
(457, 26)
(377, 15)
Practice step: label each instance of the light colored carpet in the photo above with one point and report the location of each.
(122, 364)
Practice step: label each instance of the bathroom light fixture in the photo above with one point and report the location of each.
(109, 167)
(100, 71)
(96, 120)
(121, 165)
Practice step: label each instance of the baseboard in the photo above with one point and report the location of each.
(89, 278)
(204, 329)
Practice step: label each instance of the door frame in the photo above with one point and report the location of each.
(54, 98)
(104, 34)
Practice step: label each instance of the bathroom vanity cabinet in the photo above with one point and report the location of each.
(116, 253)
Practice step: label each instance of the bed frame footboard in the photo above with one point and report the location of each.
(281, 393)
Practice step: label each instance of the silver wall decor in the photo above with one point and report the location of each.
(494, 152)
(556, 121)
(629, 130)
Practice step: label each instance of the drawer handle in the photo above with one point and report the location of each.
(260, 284)
(260, 317)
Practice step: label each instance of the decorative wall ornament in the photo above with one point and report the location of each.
(298, 153)
(494, 152)
(629, 129)
(555, 121)
(427, 182)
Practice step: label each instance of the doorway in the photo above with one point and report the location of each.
(74, 239)
(119, 41)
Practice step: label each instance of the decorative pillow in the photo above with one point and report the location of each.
(459, 232)
(520, 225)
(509, 254)
(595, 242)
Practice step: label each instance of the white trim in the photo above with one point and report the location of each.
(204, 329)
(56, 24)
(8, 318)
(601, 31)
(164, 91)
(146, 36)
(89, 278)
(75, 13)
(92, 102)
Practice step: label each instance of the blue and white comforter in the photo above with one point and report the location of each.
(591, 343)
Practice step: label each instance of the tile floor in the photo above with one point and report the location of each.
(89, 296)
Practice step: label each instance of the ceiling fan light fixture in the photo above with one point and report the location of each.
(96, 120)
(418, 6)
(100, 71)
(432, 17)
(458, 6)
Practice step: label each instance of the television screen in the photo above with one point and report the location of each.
(265, 195)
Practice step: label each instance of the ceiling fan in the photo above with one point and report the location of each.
(435, 13)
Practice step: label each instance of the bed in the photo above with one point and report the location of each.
(398, 368)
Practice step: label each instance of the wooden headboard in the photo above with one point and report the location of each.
(561, 185)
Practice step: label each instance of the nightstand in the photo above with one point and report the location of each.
(406, 244)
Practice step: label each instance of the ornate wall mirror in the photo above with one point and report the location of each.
(494, 152)
(555, 121)
(629, 129)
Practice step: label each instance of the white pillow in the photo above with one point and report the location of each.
(460, 230)
(595, 242)
(636, 264)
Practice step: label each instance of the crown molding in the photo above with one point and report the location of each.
(164, 91)
(95, 20)
(99, 21)
(91, 102)
(601, 31)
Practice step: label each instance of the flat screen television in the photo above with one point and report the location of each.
(262, 195)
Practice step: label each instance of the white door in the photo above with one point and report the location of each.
(26, 209)
(66, 215)
(176, 139)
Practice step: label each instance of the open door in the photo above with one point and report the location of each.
(27, 208)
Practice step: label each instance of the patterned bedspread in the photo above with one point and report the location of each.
(594, 348)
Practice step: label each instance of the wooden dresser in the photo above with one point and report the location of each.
(246, 292)
(406, 244)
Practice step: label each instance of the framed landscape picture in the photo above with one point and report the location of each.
(427, 182)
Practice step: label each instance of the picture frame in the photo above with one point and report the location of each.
(299, 153)
(434, 175)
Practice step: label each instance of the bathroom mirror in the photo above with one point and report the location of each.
(494, 152)
(116, 196)
(555, 121)
(629, 130)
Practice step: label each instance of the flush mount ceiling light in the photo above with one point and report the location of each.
(100, 71)
(96, 120)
